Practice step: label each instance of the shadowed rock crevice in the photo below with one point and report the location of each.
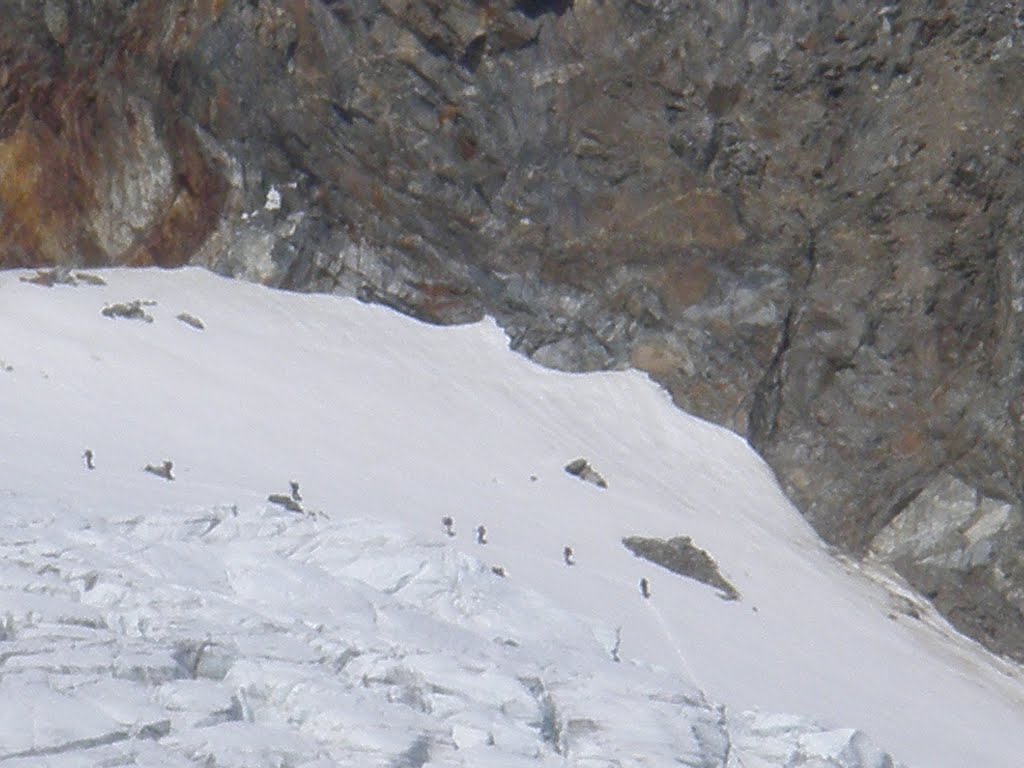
(767, 399)
(536, 8)
(549, 723)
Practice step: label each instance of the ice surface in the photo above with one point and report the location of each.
(145, 622)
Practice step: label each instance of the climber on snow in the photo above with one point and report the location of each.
(645, 587)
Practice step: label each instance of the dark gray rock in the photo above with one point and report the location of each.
(680, 556)
(50, 277)
(62, 275)
(805, 220)
(581, 468)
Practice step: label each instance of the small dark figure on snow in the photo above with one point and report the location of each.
(481, 535)
(497, 570)
(449, 525)
(569, 556)
(165, 470)
(296, 496)
(88, 456)
(645, 587)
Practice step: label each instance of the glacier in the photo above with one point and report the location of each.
(193, 622)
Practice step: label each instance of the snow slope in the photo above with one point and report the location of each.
(174, 623)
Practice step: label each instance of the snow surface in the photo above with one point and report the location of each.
(146, 622)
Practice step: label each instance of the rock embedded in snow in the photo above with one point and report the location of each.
(89, 278)
(680, 556)
(131, 310)
(191, 320)
(62, 275)
(51, 277)
(581, 468)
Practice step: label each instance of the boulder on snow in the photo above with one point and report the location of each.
(62, 275)
(130, 310)
(680, 556)
(191, 320)
(51, 277)
(89, 279)
(581, 468)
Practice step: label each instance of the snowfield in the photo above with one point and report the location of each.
(194, 623)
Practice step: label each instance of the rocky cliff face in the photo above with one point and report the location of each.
(806, 220)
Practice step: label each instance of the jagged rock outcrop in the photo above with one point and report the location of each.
(805, 220)
(962, 550)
